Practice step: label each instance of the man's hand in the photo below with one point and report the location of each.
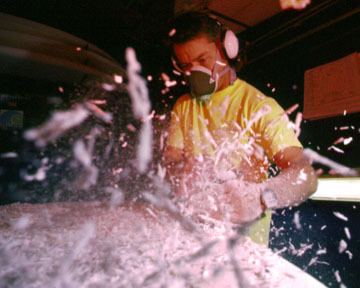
(208, 192)
(297, 180)
(233, 200)
(243, 198)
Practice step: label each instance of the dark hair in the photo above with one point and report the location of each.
(191, 24)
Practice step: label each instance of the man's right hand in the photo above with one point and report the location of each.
(234, 200)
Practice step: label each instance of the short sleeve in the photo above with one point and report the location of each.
(275, 129)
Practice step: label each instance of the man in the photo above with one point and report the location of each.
(224, 135)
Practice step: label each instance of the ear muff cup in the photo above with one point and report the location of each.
(229, 44)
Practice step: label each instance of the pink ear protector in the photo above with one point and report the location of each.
(228, 44)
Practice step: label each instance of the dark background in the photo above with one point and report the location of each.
(280, 50)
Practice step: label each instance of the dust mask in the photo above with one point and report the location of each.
(204, 82)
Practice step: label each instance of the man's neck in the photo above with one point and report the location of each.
(224, 81)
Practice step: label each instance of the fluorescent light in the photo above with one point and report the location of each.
(338, 189)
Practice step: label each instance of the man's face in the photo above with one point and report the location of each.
(199, 52)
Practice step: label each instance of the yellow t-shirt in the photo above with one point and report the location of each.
(237, 124)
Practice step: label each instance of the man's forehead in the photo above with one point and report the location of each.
(194, 49)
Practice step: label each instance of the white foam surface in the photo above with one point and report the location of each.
(87, 244)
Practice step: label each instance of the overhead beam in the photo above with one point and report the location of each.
(228, 18)
(308, 33)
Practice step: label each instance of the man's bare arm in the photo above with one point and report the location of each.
(297, 180)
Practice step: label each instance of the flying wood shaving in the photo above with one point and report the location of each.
(297, 124)
(338, 168)
(99, 113)
(265, 109)
(347, 232)
(340, 216)
(336, 149)
(137, 86)
(348, 140)
(141, 109)
(61, 121)
(83, 154)
(297, 220)
(339, 140)
(342, 246)
(291, 109)
(58, 124)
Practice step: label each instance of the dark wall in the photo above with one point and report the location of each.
(112, 25)
(279, 55)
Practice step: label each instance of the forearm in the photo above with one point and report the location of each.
(294, 184)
